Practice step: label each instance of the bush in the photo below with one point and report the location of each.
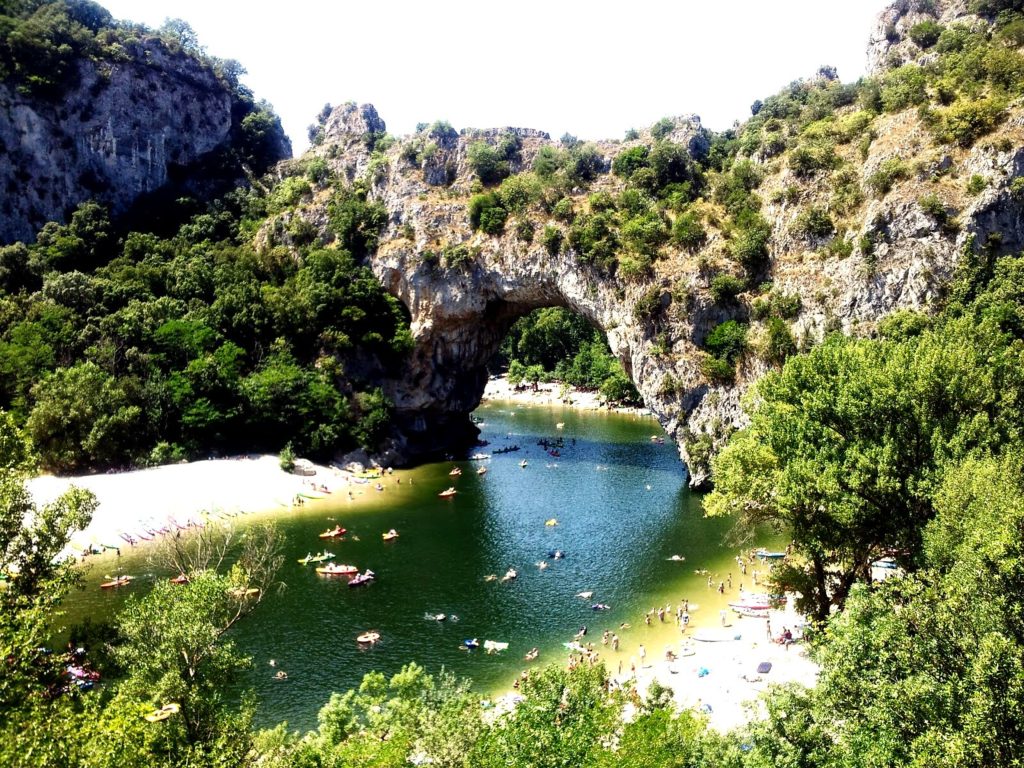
(814, 222)
(487, 214)
(811, 157)
(934, 207)
(287, 458)
(889, 172)
(726, 287)
(662, 128)
(717, 371)
(519, 192)
(904, 87)
(629, 162)
(688, 232)
(976, 184)
(563, 210)
(552, 239)
(966, 121)
(926, 33)
(584, 164)
(727, 341)
(525, 230)
(780, 344)
(645, 232)
(487, 163)
(749, 244)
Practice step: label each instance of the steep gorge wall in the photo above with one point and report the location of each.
(461, 311)
(126, 128)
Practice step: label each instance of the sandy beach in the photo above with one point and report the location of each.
(177, 495)
(552, 394)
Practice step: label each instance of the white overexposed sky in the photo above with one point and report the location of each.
(586, 68)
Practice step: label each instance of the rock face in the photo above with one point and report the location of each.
(126, 128)
(890, 44)
(895, 248)
(464, 289)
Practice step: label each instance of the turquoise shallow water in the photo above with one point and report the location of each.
(623, 510)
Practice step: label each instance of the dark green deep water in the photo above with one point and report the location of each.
(622, 506)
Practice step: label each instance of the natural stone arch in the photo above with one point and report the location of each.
(463, 289)
(460, 316)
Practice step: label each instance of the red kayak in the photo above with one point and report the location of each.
(334, 533)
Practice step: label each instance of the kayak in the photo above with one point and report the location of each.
(337, 569)
(119, 581)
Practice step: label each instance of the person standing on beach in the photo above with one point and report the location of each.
(643, 654)
(615, 642)
(768, 627)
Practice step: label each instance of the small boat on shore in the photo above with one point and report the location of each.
(363, 578)
(448, 492)
(390, 535)
(334, 533)
(764, 554)
(750, 611)
(715, 635)
(163, 713)
(116, 581)
(337, 569)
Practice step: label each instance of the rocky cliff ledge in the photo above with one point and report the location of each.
(124, 127)
(866, 213)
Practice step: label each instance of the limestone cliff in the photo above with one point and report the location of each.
(125, 126)
(899, 209)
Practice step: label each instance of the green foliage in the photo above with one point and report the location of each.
(780, 343)
(966, 121)
(926, 33)
(287, 458)
(885, 177)
(595, 238)
(727, 341)
(688, 231)
(662, 128)
(904, 87)
(749, 242)
(492, 164)
(726, 287)
(487, 214)
(813, 223)
(811, 157)
(907, 406)
(552, 239)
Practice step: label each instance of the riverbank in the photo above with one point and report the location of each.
(551, 394)
(132, 505)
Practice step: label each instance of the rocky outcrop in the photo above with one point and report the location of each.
(127, 127)
(890, 44)
(464, 289)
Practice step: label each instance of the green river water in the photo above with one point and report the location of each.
(623, 510)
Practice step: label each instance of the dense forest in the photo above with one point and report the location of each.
(124, 344)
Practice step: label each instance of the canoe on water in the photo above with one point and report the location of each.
(117, 582)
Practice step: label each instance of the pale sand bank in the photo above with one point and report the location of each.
(174, 495)
(554, 394)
